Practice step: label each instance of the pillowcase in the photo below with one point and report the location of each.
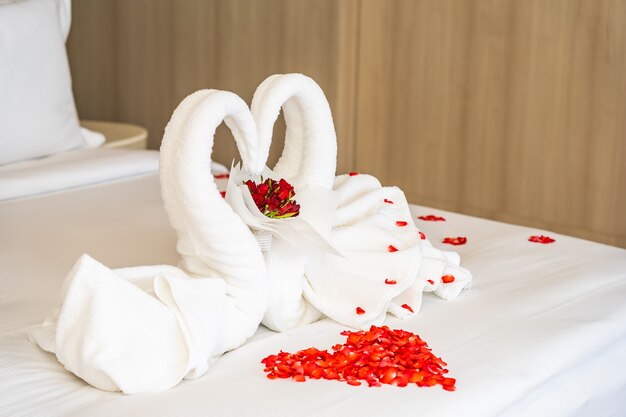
(37, 111)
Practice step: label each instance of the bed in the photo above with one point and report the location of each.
(541, 333)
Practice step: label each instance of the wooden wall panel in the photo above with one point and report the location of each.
(513, 110)
(507, 109)
(136, 60)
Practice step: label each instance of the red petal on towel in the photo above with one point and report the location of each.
(407, 307)
(377, 356)
(541, 239)
(388, 201)
(223, 194)
(401, 223)
(422, 235)
(359, 310)
(456, 241)
(446, 279)
(390, 282)
(392, 248)
(353, 173)
(221, 176)
(430, 281)
(432, 218)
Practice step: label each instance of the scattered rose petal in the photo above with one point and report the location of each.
(430, 281)
(446, 279)
(388, 201)
(432, 218)
(221, 176)
(353, 173)
(223, 194)
(401, 223)
(407, 307)
(422, 235)
(541, 239)
(460, 240)
(377, 356)
(390, 282)
(360, 311)
(392, 248)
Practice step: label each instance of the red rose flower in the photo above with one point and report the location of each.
(274, 198)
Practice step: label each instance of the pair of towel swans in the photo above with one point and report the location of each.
(144, 329)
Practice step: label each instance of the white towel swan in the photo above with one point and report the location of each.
(372, 277)
(146, 328)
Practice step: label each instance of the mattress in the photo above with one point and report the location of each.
(541, 333)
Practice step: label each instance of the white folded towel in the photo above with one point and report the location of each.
(145, 328)
(360, 287)
(386, 260)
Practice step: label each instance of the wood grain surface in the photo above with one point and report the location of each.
(513, 110)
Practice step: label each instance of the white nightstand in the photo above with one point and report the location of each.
(119, 135)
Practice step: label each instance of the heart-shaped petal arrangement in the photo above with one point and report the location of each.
(377, 356)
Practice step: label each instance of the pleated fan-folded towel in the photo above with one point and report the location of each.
(144, 329)
(382, 264)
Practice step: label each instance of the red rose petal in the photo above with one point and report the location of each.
(407, 307)
(390, 282)
(401, 223)
(223, 194)
(430, 281)
(456, 241)
(353, 173)
(541, 239)
(422, 236)
(377, 356)
(360, 311)
(392, 248)
(221, 176)
(432, 218)
(388, 201)
(446, 279)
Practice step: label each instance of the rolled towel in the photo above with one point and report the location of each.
(385, 265)
(310, 153)
(144, 329)
(308, 162)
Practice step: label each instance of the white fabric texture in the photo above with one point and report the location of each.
(542, 333)
(353, 287)
(368, 275)
(92, 138)
(73, 169)
(144, 329)
(37, 112)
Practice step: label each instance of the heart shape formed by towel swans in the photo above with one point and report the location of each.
(146, 328)
(363, 281)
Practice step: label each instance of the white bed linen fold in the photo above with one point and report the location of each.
(542, 333)
(73, 169)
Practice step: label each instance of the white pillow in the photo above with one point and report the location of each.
(37, 111)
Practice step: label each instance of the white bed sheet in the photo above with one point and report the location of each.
(73, 169)
(541, 333)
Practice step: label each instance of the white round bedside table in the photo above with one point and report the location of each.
(119, 135)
